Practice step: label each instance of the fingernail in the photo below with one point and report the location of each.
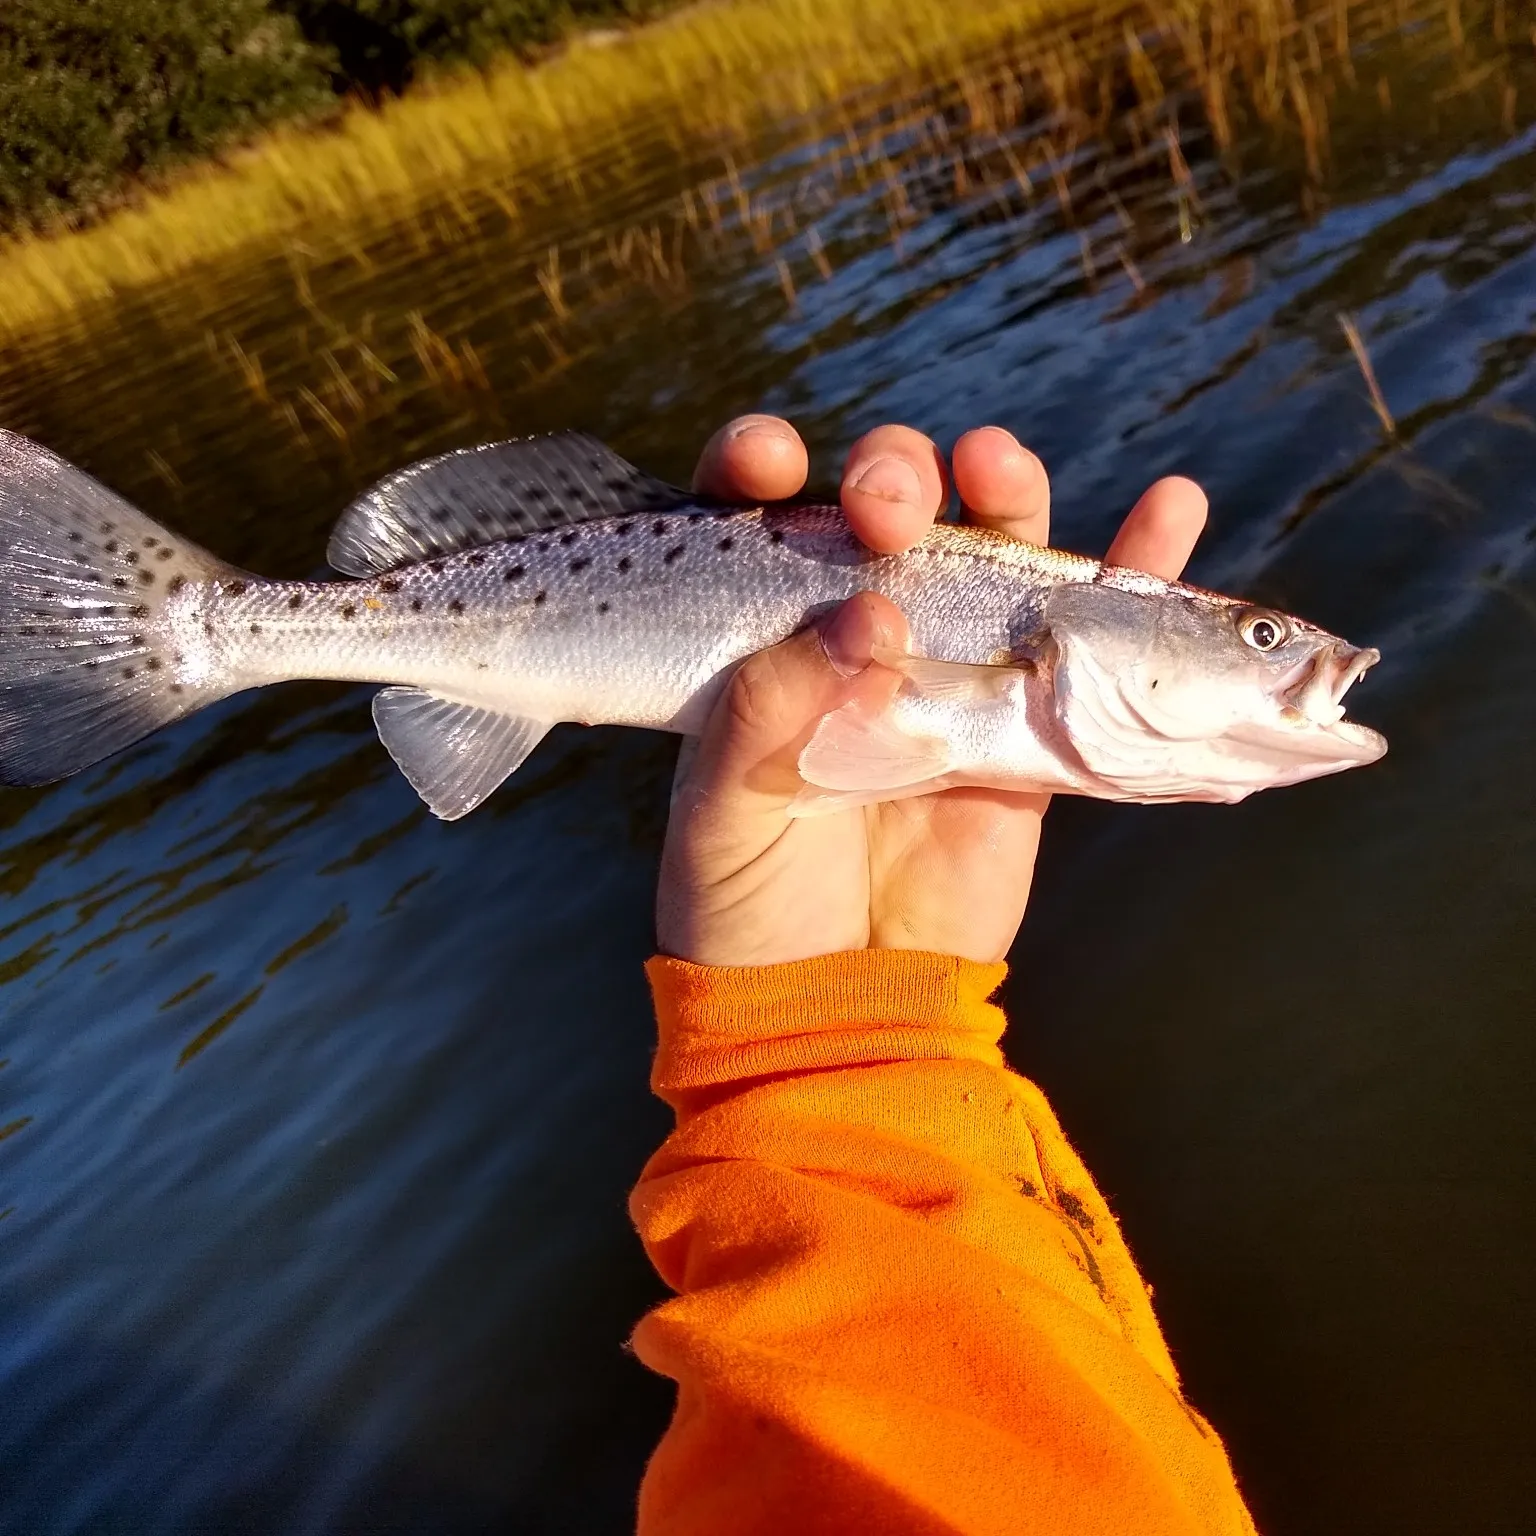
(845, 639)
(891, 480)
(760, 426)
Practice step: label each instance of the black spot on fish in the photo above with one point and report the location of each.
(602, 607)
(776, 537)
(540, 598)
(456, 606)
(74, 538)
(625, 562)
(297, 600)
(165, 552)
(175, 687)
(132, 557)
(477, 558)
(235, 588)
(111, 546)
(443, 514)
(568, 537)
(207, 626)
(154, 663)
(435, 566)
(119, 581)
(147, 577)
(659, 527)
(390, 584)
(726, 544)
(139, 611)
(512, 573)
(127, 671)
(255, 629)
(150, 541)
(108, 526)
(349, 610)
(415, 605)
(622, 528)
(537, 493)
(580, 563)
(673, 555)
(176, 583)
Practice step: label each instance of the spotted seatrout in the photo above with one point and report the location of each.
(500, 589)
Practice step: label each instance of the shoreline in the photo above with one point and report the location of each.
(704, 71)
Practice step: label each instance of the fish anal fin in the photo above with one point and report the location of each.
(453, 754)
(476, 496)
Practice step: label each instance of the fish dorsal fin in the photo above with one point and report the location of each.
(453, 754)
(477, 496)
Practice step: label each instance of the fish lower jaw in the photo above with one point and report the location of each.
(1362, 736)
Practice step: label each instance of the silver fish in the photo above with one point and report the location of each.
(504, 588)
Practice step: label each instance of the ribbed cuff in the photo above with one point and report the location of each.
(719, 1024)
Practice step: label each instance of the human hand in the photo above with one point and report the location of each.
(743, 882)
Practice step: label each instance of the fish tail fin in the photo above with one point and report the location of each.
(88, 662)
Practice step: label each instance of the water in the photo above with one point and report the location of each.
(318, 1116)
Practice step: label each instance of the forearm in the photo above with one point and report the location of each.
(901, 1302)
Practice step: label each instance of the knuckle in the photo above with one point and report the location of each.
(755, 699)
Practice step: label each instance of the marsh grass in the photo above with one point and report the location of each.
(1029, 93)
(1122, 137)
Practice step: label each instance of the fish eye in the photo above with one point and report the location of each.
(1263, 630)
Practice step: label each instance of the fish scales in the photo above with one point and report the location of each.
(629, 621)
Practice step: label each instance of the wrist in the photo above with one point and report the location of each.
(720, 1024)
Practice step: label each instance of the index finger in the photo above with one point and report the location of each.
(753, 458)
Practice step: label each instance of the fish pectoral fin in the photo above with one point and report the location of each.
(959, 682)
(868, 754)
(454, 755)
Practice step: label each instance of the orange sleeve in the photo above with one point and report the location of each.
(902, 1306)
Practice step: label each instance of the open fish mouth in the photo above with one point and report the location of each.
(1314, 703)
(1317, 696)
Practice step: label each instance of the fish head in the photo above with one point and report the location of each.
(1166, 692)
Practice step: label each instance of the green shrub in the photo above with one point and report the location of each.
(96, 92)
(380, 44)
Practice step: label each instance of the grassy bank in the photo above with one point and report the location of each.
(703, 75)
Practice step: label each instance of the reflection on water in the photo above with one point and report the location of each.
(317, 1116)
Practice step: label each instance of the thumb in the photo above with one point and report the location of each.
(746, 768)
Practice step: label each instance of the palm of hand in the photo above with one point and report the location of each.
(744, 883)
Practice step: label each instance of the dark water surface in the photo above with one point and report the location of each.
(317, 1117)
